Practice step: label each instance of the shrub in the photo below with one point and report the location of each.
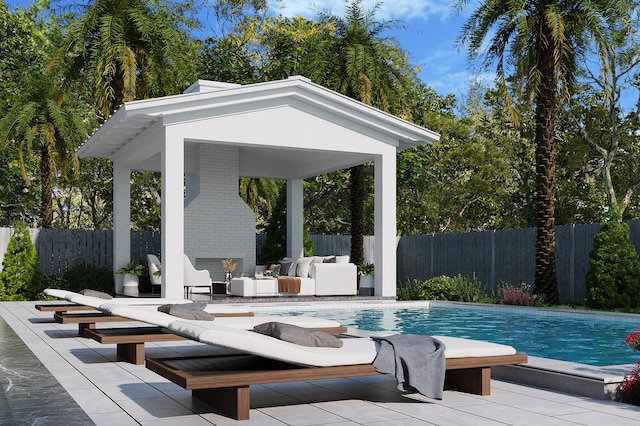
(409, 290)
(458, 288)
(85, 276)
(629, 390)
(467, 289)
(613, 279)
(508, 294)
(20, 276)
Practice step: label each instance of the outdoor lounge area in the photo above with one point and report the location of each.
(102, 390)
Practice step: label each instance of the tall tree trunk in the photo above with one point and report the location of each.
(357, 214)
(546, 281)
(46, 174)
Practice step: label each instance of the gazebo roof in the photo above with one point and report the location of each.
(295, 122)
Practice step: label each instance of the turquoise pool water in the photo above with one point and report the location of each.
(584, 340)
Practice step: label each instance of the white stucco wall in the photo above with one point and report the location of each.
(213, 191)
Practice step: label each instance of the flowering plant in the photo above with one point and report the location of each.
(633, 340)
(631, 383)
(516, 295)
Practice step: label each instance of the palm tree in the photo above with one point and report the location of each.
(358, 62)
(540, 40)
(129, 49)
(44, 120)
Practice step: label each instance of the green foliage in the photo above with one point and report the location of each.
(131, 268)
(458, 288)
(20, 277)
(613, 279)
(85, 276)
(366, 269)
(275, 245)
(409, 290)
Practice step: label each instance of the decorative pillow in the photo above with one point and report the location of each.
(284, 267)
(303, 266)
(298, 335)
(275, 270)
(331, 259)
(342, 259)
(312, 267)
(182, 311)
(293, 269)
(96, 293)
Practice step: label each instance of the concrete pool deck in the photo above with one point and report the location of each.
(47, 370)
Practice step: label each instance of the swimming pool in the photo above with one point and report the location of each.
(579, 337)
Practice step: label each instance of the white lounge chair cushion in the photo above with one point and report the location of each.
(354, 350)
(465, 348)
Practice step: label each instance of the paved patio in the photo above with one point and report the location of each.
(49, 375)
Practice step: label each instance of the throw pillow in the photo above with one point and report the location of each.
(275, 270)
(312, 267)
(298, 335)
(293, 269)
(181, 311)
(342, 259)
(96, 293)
(303, 266)
(284, 267)
(331, 259)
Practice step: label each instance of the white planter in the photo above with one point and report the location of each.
(130, 285)
(367, 284)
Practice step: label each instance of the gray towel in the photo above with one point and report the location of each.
(418, 362)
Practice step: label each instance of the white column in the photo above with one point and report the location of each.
(172, 215)
(385, 224)
(295, 218)
(121, 221)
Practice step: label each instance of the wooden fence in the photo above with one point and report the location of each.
(493, 256)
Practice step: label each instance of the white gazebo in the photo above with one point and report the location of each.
(214, 133)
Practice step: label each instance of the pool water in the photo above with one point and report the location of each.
(583, 340)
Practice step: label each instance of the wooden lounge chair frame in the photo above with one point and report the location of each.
(223, 381)
(87, 321)
(62, 308)
(130, 341)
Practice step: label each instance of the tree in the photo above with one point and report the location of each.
(358, 62)
(129, 49)
(538, 40)
(46, 120)
(600, 117)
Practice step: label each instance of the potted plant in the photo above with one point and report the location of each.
(366, 273)
(131, 272)
(229, 266)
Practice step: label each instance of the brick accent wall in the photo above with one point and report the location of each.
(218, 223)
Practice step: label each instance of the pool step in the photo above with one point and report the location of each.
(570, 377)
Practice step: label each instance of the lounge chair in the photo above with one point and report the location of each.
(155, 268)
(195, 278)
(223, 381)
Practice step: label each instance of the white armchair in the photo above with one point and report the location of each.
(194, 277)
(154, 266)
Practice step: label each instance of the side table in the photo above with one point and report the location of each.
(219, 287)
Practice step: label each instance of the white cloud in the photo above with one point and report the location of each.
(390, 9)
